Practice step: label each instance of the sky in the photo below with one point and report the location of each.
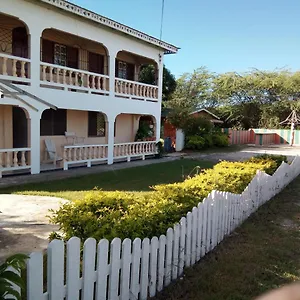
(223, 35)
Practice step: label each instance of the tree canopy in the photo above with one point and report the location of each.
(243, 100)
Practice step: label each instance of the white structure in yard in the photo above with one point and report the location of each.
(70, 90)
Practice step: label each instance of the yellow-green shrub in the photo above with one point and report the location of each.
(123, 214)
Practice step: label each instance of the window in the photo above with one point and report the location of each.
(97, 124)
(60, 55)
(124, 70)
(54, 122)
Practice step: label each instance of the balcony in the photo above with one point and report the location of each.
(74, 64)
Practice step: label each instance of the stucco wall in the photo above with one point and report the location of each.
(6, 127)
(126, 127)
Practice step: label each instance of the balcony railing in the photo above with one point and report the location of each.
(13, 67)
(136, 90)
(68, 78)
(14, 159)
(136, 149)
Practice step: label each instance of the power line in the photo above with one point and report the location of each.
(162, 19)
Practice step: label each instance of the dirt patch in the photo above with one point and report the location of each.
(24, 226)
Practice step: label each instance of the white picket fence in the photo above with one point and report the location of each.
(130, 270)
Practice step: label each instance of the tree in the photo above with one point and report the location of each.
(148, 75)
(193, 91)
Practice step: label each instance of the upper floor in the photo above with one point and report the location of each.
(62, 47)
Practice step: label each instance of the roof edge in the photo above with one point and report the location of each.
(80, 11)
(207, 111)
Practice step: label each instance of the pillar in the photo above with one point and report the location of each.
(35, 144)
(35, 55)
(111, 140)
(112, 71)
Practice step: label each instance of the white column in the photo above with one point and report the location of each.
(35, 144)
(35, 55)
(112, 71)
(160, 86)
(111, 140)
(157, 127)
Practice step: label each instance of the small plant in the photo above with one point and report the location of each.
(9, 278)
(160, 149)
(143, 132)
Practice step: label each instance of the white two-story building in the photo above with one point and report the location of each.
(70, 90)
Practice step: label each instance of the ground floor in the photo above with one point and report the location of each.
(63, 138)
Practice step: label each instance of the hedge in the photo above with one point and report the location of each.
(103, 214)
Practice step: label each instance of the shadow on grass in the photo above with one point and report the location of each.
(131, 179)
(262, 254)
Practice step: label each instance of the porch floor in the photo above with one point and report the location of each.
(7, 181)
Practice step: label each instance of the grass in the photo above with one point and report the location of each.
(210, 150)
(138, 179)
(264, 253)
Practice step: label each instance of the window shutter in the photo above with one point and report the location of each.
(92, 126)
(117, 68)
(47, 51)
(20, 42)
(130, 72)
(72, 57)
(96, 63)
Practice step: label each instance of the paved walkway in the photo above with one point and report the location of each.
(23, 225)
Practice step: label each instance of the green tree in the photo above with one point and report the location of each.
(148, 75)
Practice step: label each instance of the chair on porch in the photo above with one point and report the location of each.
(51, 151)
(73, 139)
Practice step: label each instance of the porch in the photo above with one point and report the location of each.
(72, 138)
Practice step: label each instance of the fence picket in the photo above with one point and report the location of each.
(145, 269)
(125, 269)
(88, 269)
(35, 276)
(182, 246)
(161, 262)
(194, 234)
(135, 269)
(73, 269)
(102, 269)
(204, 228)
(199, 231)
(175, 256)
(169, 251)
(188, 243)
(209, 221)
(153, 266)
(115, 260)
(55, 270)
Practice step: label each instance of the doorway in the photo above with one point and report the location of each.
(20, 128)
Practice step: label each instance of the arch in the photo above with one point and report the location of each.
(82, 51)
(14, 36)
(130, 66)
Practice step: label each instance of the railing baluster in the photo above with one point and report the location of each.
(1, 160)
(76, 78)
(23, 69)
(15, 158)
(70, 78)
(14, 68)
(4, 66)
(93, 81)
(51, 74)
(23, 159)
(7, 156)
(44, 73)
(104, 83)
(64, 76)
(57, 75)
(98, 78)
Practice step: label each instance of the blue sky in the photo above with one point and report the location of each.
(231, 35)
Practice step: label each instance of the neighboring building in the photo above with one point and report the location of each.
(169, 131)
(69, 79)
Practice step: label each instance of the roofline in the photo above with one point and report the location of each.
(85, 13)
(203, 109)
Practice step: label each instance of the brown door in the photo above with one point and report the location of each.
(20, 130)
(96, 65)
(20, 47)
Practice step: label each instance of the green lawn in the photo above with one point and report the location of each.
(262, 254)
(137, 179)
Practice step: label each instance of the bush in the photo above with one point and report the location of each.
(123, 214)
(220, 140)
(197, 126)
(195, 142)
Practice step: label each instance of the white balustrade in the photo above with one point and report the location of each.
(68, 78)
(14, 159)
(128, 150)
(13, 67)
(136, 90)
(88, 154)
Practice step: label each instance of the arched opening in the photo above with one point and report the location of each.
(147, 129)
(68, 50)
(20, 128)
(134, 67)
